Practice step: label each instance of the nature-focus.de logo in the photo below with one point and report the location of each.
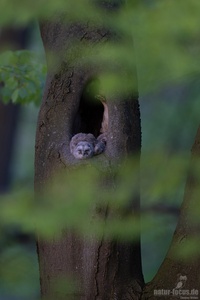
(179, 291)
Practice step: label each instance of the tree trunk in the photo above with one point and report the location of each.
(177, 269)
(8, 126)
(105, 269)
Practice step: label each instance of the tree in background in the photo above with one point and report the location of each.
(10, 39)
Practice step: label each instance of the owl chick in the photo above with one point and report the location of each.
(100, 144)
(83, 145)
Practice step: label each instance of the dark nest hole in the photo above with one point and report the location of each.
(90, 113)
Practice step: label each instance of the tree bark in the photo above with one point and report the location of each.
(176, 268)
(105, 269)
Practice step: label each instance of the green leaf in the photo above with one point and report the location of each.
(23, 92)
(23, 76)
(15, 96)
(5, 95)
(11, 83)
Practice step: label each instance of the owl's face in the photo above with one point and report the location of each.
(83, 150)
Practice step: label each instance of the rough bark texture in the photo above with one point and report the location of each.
(174, 267)
(105, 270)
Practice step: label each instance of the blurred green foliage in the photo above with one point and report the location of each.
(18, 272)
(164, 35)
(22, 76)
(162, 38)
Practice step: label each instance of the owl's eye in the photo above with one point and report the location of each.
(86, 151)
(79, 152)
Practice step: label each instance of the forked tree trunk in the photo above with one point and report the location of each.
(105, 270)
